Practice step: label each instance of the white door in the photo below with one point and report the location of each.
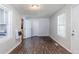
(27, 28)
(75, 29)
(35, 27)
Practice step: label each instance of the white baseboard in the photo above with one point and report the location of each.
(13, 48)
(61, 44)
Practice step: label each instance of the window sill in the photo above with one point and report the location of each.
(2, 36)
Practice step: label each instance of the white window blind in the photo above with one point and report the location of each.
(3, 21)
(61, 25)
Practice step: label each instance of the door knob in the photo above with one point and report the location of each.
(73, 31)
(73, 34)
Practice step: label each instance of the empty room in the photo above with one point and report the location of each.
(39, 28)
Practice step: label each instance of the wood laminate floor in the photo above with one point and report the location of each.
(41, 45)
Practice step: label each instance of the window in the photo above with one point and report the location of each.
(3, 21)
(61, 25)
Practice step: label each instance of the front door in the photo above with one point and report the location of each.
(75, 29)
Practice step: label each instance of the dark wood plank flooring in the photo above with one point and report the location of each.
(41, 45)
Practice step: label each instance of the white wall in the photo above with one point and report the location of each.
(66, 41)
(44, 27)
(40, 26)
(9, 42)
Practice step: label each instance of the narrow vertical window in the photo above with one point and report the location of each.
(61, 25)
(3, 22)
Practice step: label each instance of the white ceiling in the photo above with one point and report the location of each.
(45, 10)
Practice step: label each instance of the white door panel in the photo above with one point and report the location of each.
(75, 29)
(35, 27)
(27, 28)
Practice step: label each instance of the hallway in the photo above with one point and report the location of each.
(41, 45)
